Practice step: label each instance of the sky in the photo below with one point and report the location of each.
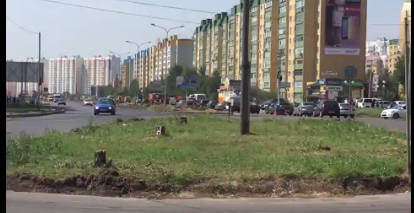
(78, 31)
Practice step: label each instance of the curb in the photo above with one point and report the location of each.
(60, 111)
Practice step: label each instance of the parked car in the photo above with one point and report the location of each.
(365, 103)
(347, 110)
(382, 104)
(395, 112)
(61, 101)
(304, 108)
(87, 102)
(254, 109)
(267, 103)
(327, 108)
(286, 106)
(104, 105)
(397, 104)
(212, 104)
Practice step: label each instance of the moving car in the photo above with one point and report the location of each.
(254, 109)
(286, 106)
(395, 112)
(327, 108)
(347, 110)
(304, 108)
(61, 101)
(104, 105)
(268, 103)
(87, 102)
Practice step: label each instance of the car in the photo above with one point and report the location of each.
(365, 102)
(327, 108)
(61, 101)
(104, 105)
(87, 102)
(395, 112)
(304, 108)
(397, 104)
(347, 110)
(212, 104)
(268, 103)
(255, 109)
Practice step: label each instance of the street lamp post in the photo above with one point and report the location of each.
(167, 31)
(349, 83)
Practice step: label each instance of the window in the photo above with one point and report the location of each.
(282, 20)
(282, 10)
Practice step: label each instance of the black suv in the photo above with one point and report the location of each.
(327, 108)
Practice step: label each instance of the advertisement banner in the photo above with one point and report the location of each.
(187, 82)
(343, 27)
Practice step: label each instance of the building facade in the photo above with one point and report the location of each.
(128, 72)
(66, 75)
(157, 60)
(394, 51)
(301, 38)
(101, 71)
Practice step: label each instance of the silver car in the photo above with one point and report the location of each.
(87, 102)
(304, 108)
(347, 110)
(61, 101)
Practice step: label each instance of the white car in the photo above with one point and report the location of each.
(395, 113)
(87, 102)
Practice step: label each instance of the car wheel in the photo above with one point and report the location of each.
(96, 113)
(113, 113)
(396, 116)
(352, 116)
(345, 116)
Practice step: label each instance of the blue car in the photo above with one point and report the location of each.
(104, 105)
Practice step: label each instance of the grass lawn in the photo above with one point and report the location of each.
(369, 112)
(16, 108)
(209, 148)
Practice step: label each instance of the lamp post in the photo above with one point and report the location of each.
(167, 31)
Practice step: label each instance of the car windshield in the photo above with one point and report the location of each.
(88, 100)
(104, 101)
(308, 104)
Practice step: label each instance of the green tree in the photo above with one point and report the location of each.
(389, 90)
(134, 89)
(203, 80)
(213, 83)
(399, 73)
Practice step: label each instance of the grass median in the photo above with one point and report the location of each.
(26, 108)
(369, 112)
(208, 156)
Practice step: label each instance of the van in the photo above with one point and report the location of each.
(365, 103)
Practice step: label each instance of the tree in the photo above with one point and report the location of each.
(134, 90)
(399, 73)
(213, 84)
(389, 90)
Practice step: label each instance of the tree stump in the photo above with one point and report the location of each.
(160, 130)
(100, 158)
(183, 120)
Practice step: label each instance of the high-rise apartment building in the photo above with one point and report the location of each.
(168, 53)
(66, 75)
(128, 72)
(405, 13)
(394, 51)
(101, 71)
(142, 65)
(314, 42)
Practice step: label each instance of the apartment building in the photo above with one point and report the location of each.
(394, 51)
(295, 36)
(142, 65)
(101, 71)
(66, 75)
(165, 54)
(128, 72)
(405, 13)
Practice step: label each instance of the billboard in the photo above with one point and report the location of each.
(342, 27)
(187, 82)
(24, 72)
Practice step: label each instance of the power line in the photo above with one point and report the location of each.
(167, 6)
(118, 12)
(20, 26)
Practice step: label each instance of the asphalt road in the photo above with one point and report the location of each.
(48, 203)
(78, 115)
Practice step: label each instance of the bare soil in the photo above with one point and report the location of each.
(112, 184)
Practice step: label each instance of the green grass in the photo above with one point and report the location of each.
(17, 108)
(211, 148)
(369, 112)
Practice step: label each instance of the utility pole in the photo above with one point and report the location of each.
(407, 90)
(39, 80)
(245, 84)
